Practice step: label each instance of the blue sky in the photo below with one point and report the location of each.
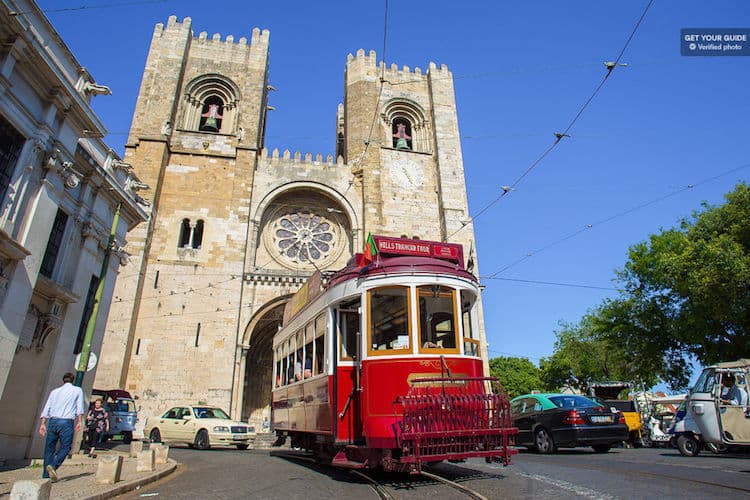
(522, 70)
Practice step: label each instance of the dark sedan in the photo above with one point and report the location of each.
(549, 421)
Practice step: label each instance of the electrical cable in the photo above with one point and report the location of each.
(380, 91)
(555, 283)
(610, 66)
(89, 7)
(616, 216)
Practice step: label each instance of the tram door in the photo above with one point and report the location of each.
(348, 400)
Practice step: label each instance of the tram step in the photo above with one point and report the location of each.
(341, 460)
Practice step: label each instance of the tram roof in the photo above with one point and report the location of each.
(383, 266)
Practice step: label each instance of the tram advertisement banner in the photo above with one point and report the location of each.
(420, 248)
(305, 294)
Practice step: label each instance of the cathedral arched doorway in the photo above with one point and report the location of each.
(258, 362)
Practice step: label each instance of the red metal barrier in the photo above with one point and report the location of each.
(455, 418)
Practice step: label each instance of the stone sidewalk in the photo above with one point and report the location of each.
(77, 477)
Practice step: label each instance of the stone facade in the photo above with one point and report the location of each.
(236, 228)
(59, 189)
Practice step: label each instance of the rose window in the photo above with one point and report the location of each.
(304, 236)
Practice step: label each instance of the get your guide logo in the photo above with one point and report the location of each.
(715, 41)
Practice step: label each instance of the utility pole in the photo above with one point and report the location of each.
(91, 323)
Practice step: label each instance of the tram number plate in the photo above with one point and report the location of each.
(601, 419)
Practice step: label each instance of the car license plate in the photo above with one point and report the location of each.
(239, 437)
(601, 419)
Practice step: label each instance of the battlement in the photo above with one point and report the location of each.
(173, 25)
(363, 62)
(258, 40)
(297, 157)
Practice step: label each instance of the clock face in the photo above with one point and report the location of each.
(407, 174)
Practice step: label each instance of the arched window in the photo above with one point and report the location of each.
(212, 114)
(407, 125)
(184, 234)
(210, 105)
(198, 234)
(401, 129)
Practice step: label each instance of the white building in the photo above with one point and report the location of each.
(60, 186)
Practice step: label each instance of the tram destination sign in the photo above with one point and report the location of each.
(420, 248)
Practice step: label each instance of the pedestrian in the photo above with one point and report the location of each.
(97, 425)
(61, 417)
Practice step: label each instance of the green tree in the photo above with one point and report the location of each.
(686, 293)
(582, 356)
(517, 375)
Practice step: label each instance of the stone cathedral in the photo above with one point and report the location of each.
(236, 228)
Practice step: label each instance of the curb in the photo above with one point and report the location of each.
(131, 485)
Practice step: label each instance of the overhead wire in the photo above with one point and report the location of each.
(610, 67)
(358, 161)
(557, 283)
(89, 7)
(614, 216)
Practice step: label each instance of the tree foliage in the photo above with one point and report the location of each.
(517, 375)
(581, 357)
(686, 293)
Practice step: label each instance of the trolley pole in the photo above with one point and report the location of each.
(83, 363)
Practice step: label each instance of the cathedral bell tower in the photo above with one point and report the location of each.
(195, 139)
(403, 144)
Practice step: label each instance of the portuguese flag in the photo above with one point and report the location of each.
(369, 252)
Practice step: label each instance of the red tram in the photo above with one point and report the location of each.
(380, 365)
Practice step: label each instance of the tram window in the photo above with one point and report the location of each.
(437, 325)
(290, 361)
(471, 344)
(284, 372)
(299, 356)
(389, 319)
(348, 328)
(279, 370)
(308, 351)
(320, 349)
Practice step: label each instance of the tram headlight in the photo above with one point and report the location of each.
(221, 428)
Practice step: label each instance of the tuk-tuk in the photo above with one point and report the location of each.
(122, 412)
(607, 394)
(721, 423)
(686, 436)
(660, 417)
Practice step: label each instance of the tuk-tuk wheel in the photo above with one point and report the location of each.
(127, 437)
(688, 446)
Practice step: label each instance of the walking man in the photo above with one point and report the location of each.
(62, 415)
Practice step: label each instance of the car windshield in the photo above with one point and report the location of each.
(572, 401)
(705, 382)
(208, 412)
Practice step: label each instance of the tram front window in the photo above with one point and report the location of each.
(389, 319)
(437, 324)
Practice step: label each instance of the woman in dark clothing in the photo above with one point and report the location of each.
(97, 424)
